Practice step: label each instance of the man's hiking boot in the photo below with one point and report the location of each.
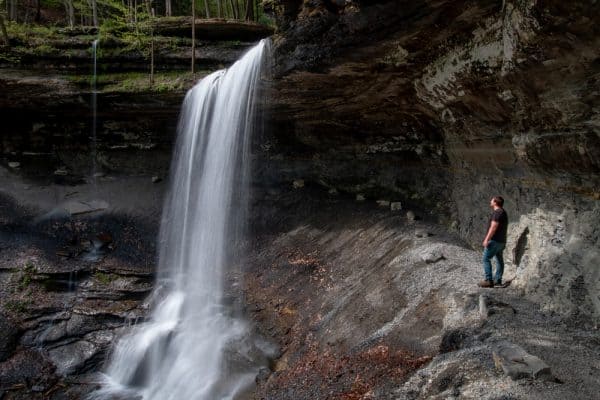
(497, 283)
(489, 284)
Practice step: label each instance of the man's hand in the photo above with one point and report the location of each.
(491, 231)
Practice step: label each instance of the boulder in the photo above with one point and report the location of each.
(515, 362)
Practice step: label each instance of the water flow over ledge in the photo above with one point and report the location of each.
(193, 346)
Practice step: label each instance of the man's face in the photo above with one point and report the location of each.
(492, 203)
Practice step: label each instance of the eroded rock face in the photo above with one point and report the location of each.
(445, 104)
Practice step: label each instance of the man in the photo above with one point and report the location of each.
(494, 243)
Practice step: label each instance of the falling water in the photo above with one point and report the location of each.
(94, 110)
(185, 350)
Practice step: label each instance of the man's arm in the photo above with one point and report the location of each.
(491, 231)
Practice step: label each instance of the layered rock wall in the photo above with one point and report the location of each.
(449, 103)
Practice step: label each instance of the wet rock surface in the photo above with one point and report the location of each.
(62, 310)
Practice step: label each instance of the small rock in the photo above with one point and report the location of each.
(506, 95)
(99, 175)
(515, 362)
(38, 388)
(156, 179)
(383, 203)
(483, 309)
(360, 197)
(432, 256)
(410, 216)
(61, 172)
(333, 191)
(36, 127)
(14, 164)
(396, 206)
(298, 183)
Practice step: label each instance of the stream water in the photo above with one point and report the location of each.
(194, 345)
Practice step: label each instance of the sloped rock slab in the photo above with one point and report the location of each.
(82, 354)
(515, 362)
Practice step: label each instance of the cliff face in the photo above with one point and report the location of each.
(444, 104)
(437, 105)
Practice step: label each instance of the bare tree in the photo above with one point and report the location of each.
(93, 4)
(233, 10)
(249, 10)
(70, 10)
(151, 44)
(219, 9)
(206, 8)
(194, 36)
(3, 31)
(168, 8)
(38, 11)
(11, 6)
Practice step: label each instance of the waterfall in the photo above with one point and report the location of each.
(185, 349)
(94, 109)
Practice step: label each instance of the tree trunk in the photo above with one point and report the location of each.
(38, 12)
(3, 31)
(95, 13)
(168, 9)
(194, 36)
(70, 12)
(249, 10)
(233, 14)
(206, 8)
(219, 9)
(151, 45)
(238, 14)
(12, 15)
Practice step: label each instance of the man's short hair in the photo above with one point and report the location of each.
(498, 200)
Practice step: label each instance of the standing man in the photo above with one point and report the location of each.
(494, 243)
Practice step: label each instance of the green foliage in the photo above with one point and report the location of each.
(103, 278)
(28, 271)
(24, 32)
(9, 58)
(264, 19)
(52, 4)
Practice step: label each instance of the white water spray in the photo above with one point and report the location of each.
(184, 351)
(94, 110)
